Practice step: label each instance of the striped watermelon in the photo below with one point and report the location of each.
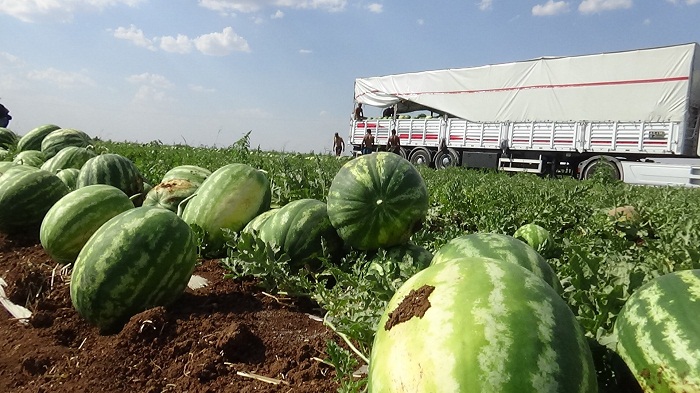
(69, 177)
(194, 174)
(33, 158)
(5, 165)
(32, 140)
(537, 237)
(377, 200)
(26, 195)
(229, 198)
(658, 333)
(297, 228)
(169, 194)
(139, 259)
(62, 138)
(502, 247)
(68, 157)
(256, 223)
(479, 325)
(114, 170)
(74, 218)
(4, 154)
(8, 139)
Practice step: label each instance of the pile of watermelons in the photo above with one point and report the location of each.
(484, 314)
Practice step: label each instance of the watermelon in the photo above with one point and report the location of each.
(68, 157)
(229, 198)
(377, 201)
(4, 154)
(8, 139)
(114, 170)
(256, 223)
(5, 165)
(479, 325)
(502, 247)
(657, 333)
(169, 194)
(26, 195)
(298, 229)
(537, 237)
(32, 140)
(139, 259)
(74, 218)
(69, 177)
(62, 138)
(194, 174)
(33, 158)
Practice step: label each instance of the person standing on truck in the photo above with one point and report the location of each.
(359, 113)
(394, 143)
(388, 112)
(338, 144)
(4, 116)
(367, 145)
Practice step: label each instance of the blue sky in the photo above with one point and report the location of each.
(205, 72)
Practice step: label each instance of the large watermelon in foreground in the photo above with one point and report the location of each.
(479, 325)
(377, 200)
(26, 194)
(139, 259)
(501, 247)
(658, 333)
(74, 218)
(229, 198)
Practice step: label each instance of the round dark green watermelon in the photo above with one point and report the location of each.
(68, 157)
(299, 228)
(114, 170)
(377, 201)
(192, 173)
(169, 194)
(8, 138)
(62, 138)
(33, 158)
(69, 177)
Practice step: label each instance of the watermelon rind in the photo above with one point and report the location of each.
(657, 333)
(193, 173)
(537, 237)
(33, 158)
(62, 138)
(377, 201)
(169, 194)
(69, 177)
(114, 170)
(480, 325)
(71, 221)
(8, 138)
(501, 247)
(68, 157)
(139, 259)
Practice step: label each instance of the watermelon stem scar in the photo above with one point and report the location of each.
(415, 304)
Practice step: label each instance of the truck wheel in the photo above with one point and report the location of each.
(446, 158)
(601, 166)
(420, 156)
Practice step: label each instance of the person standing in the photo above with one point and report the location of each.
(338, 144)
(4, 116)
(359, 113)
(394, 143)
(367, 145)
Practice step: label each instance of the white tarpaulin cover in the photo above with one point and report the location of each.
(640, 85)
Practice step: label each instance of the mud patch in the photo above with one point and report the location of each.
(415, 304)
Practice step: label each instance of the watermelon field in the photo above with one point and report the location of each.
(171, 268)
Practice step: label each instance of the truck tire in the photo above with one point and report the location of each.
(601, 163)
(420, 156)
(446, 158)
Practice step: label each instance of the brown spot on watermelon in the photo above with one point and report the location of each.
(415, 304)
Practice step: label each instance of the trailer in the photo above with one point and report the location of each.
(624, 111)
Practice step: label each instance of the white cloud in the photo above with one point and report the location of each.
(221, 44)
(376, 8)
(248, 6)
(420, 22)
(277, 15)
(485, 4)
(596, 6)
(61, 78)
(201, 89)
(179, 44)
(31, 10)
(135, 35)
(150, 94)
(305, 51)
(688, 2)
(155, 80)
(551, 7)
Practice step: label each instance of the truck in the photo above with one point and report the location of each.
(632, 114)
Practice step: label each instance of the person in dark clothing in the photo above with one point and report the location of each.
(4, 116)
(388, 112)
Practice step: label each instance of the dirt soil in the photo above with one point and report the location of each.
(214, 339)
